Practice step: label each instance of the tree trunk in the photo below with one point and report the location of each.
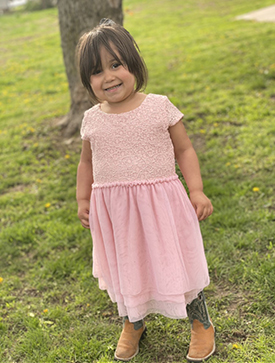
(75, 18)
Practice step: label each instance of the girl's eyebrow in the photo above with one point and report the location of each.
(114, 60)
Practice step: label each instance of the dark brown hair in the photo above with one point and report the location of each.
(106, 35)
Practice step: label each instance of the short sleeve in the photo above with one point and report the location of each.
(83, 129)
(173, 113)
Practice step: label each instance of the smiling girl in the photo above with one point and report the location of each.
(147, 246)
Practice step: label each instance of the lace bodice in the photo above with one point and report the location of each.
(132, 146)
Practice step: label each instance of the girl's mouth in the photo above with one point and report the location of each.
(113, 88)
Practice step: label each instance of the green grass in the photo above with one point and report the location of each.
(221, 74)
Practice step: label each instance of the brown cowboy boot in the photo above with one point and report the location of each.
(128, 344)
(202, 344)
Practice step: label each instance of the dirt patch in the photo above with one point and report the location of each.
(265, 15)
(17, 188)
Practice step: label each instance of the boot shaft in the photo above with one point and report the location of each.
(198, 310)
(137, 325)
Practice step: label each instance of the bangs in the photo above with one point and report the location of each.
(98, 43)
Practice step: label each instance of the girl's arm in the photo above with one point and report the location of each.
(84, 182)
(189, 165)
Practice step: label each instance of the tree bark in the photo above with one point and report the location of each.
(75, 18)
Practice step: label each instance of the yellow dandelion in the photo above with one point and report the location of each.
(88, 305)
(47, 205)
(45, 311)
(35, 145)
(202, 131)
(216, 124)
(1, 280)
(67, 156)
(31, 129)
(236, 166)
(38, 181)
(256, 189)
(227, 164)
(236, 346)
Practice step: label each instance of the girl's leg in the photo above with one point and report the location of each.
(128, 344)
(202, 344)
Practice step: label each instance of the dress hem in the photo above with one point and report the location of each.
(168, 308)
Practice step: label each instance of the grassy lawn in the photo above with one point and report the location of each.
(221, 73)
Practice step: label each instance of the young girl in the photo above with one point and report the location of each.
(147, 246)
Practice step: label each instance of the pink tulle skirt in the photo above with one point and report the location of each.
(147, 247)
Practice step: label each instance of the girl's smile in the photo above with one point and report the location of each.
(113, 84)
(111, 89)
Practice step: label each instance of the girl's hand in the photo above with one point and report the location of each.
(202, 205)
(83, 213)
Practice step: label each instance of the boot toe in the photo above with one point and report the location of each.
(128, 344)
(202, 344)
(125, 352)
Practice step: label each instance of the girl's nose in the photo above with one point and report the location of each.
(108, 76)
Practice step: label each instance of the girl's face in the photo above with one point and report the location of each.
(113, 83)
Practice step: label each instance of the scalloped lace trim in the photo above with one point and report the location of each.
(135, 182)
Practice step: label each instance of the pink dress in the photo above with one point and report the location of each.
(147, 246)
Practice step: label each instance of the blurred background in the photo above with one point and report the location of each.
(220, 72)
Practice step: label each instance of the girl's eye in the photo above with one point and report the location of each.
(96, 71)
(116, 65)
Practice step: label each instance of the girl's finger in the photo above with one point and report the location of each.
(85, 223)
(199, 212)
(205, 213)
